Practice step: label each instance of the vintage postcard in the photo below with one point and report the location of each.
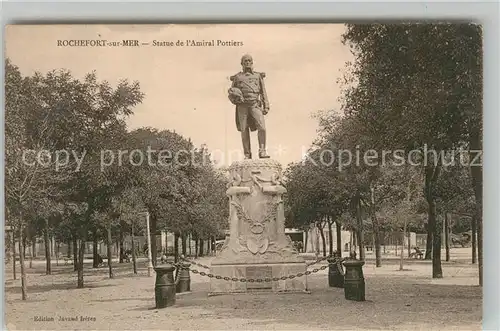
(245, 176)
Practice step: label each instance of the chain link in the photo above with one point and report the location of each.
(256, 280)
(207, 267)
(337, 262)
(317, 261)
(195, 263)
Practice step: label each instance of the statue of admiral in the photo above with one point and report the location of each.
(248, 93)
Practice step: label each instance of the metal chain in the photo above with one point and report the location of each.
(317, 261)
(194, 263)
(257, 280)
(207, 267)
(260, 280)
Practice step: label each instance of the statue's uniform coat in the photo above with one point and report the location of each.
(249, 113)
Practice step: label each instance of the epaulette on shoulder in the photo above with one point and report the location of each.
(262, 74)
(233, 77)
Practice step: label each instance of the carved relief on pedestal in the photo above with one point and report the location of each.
(259, 237)
(257, 231)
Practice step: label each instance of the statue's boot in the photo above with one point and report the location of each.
(247, 148)
(262, 144)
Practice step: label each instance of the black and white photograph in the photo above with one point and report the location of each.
(244, 176)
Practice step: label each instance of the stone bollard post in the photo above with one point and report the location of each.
(354, 281)
(335, 271)
(184, 282)
(165, 286)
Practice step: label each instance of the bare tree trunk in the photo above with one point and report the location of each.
(189, 243)
(24, 245)
(176, 247)
(75, 254)
(351, 241)
(446, 236)
(477, 184)
(431, 175)
(401, 266)
(14, 253)
(95, 253)
(33, 246)
(376, 229)
(360, 234)
(195, 238)
(431, 228)
(154, 248)
(323, 240)
(437, 271)
(330, 236)
(58, 247)
(134, 259)
(81, 256)
(338, 228)
(306, 237)
(480, 246)
(110, 255)
(33, 250)
(474, 238)
(408, 233)
(31, 255)
(54, 245)
(202, 253)
(120, 239)
(428, 244)
(378, 252)
(68, 253)
(48, 267)
(196, 248)
(184, 244)
(24, 288)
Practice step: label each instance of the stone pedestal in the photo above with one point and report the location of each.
(257, 246)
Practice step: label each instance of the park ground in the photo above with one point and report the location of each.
(395, 300)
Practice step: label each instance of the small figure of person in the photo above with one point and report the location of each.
(100, 260)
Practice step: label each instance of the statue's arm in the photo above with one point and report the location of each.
(263, 92)
(233, 80)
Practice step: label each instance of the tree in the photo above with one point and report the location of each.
(56, 112)
(28, 131)
(417, 87)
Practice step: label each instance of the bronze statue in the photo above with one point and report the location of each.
(248, 93)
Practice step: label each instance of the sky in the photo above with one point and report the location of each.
(186, 87)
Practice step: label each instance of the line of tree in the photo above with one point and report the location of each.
(411, 88)
(75, 173)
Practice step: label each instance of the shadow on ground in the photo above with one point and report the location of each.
(388, 306)
(55, 287)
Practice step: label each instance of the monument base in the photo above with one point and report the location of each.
(257, 246)
(258, 271)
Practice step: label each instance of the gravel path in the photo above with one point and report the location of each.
(396, 300)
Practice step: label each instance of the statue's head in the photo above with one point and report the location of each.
(246, 62)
